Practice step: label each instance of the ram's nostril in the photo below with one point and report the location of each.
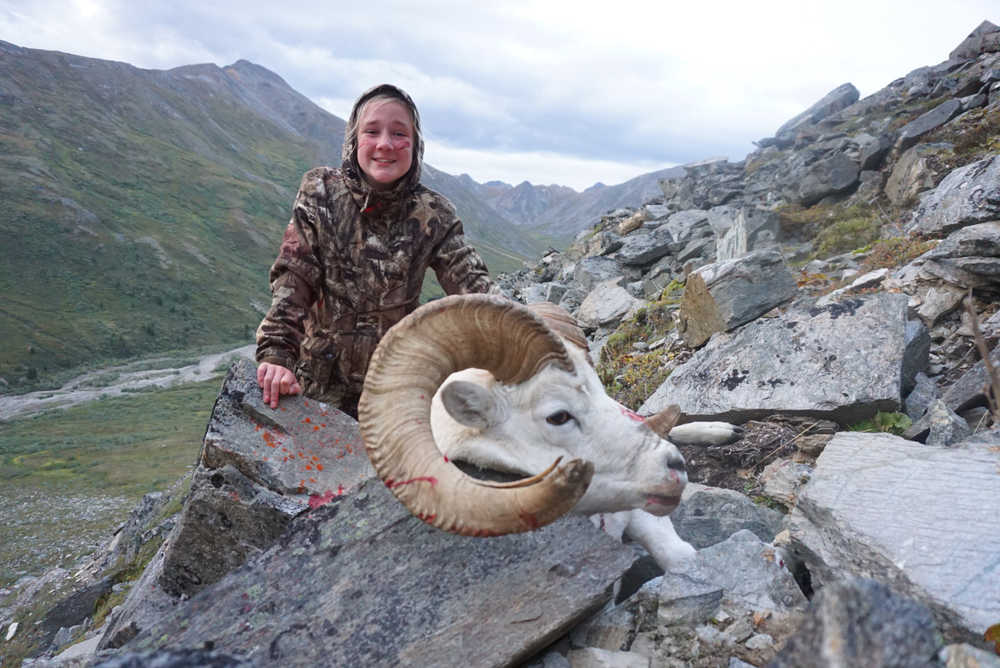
(676, 463)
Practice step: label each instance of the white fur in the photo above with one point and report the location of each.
(502, 427)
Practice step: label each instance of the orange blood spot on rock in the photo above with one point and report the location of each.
(309, 467)
(307, 420)
(319, 467)
(315, 428)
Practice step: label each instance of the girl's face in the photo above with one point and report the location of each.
(385, 143)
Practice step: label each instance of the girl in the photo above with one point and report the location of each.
(354, 255)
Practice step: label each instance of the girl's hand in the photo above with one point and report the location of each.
(275, 380)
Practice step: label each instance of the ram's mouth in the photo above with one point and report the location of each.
(660, 504)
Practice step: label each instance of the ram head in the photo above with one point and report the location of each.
(527, 403)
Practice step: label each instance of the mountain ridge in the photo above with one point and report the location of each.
(147, 205)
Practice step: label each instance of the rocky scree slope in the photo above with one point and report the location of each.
(800, 308)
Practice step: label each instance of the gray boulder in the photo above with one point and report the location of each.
(917, 169)
(748, 571)
(304, 449)
(968, 258)
(593, 270)
(724, 295)
(607, 303)
(687, 225)
(226, 519)
(360, 581)
(753, 228)
(923, 394)
(969, 194)
(782, 479)
(710, 515)
(911, 516)
(842, 362)
(871, 150)
(911, 133)
(839, 98)
(860, 622)
(830, 175)
(643, 248)
(939, 425)
(969, 391)
(259, 469)
(984, 39)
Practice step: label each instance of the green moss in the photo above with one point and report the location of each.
(832, 228)
(846, 234)
(631, 376)
(128, 574)
(893, 423)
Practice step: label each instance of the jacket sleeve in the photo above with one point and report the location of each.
(295, 277)
(459, 268)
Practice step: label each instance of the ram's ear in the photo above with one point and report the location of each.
(470, 404)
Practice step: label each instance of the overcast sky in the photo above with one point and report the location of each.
(550, 92)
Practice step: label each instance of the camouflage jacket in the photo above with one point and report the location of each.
(350, 266)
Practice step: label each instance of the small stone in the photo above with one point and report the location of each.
(592, 657)
(686, 600)
(760, 641)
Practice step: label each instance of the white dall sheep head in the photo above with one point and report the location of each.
(536, 380)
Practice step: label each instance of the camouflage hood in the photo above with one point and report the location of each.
(349, 154)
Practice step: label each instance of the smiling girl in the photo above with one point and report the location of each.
(354, 255)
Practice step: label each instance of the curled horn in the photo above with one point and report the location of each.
(409, 364)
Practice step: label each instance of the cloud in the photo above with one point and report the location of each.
(627, 84)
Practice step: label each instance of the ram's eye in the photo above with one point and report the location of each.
(559, 417)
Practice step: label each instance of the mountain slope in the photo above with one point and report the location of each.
(559, 213)
(144, 207)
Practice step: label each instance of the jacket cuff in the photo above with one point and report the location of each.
(270, 357)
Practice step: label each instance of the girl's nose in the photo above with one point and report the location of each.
(385, 141)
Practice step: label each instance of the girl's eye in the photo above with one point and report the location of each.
(558, 418)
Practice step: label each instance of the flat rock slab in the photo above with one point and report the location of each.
(968, 195)
(843, 362)
(304, 449)
(920, 518)
(361, 582)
